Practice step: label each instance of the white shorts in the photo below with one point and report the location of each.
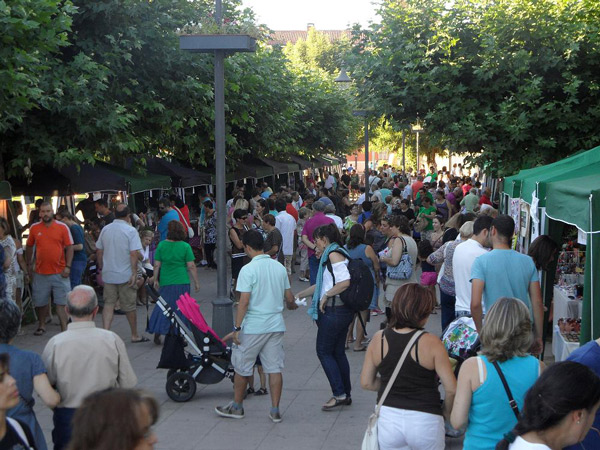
(402, 429)
(268, 345)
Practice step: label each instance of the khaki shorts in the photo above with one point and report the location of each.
(391, 286)
(270, 348)
(126, 295)
(287, 259)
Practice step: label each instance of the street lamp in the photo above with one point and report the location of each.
(219, 45)
(365, 114)
(344, 80)
(417, 129)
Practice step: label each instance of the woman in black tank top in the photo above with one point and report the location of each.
(412, 413)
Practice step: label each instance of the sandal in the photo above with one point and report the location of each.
(262, 391)
(39, 332)
(362, 349)
(142, 339)
(336, 402)
(249, 391)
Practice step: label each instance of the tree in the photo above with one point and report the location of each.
(512, 82)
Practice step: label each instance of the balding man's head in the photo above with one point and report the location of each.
(81, 302)
(121, 211)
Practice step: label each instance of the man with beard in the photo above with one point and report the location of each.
(53, 256)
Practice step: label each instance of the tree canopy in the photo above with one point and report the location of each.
(107, 80)
(512, 82)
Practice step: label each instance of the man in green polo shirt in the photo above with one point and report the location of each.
(263, 284)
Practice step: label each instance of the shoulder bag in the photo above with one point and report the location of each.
(511, 400)
(421, 223)
(404, 269)
(370, 440)
(190, 230)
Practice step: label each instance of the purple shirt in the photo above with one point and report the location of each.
(312, 224)
(451, 198)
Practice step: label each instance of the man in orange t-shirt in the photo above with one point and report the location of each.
(53, 255)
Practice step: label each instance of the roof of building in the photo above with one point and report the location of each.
(282, 37)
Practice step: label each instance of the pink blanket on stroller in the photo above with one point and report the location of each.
(190, 309)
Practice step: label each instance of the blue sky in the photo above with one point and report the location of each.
(325, 14)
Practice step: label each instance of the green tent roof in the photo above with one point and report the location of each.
(527, 181)
(575, 201)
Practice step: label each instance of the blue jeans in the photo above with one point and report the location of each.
(313, 267)
(61, 434)
(448, 301)
(331, 341)
(77, 269)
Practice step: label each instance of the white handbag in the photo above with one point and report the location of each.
(370, 440)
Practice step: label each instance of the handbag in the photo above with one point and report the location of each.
(403, 270)
(173, 354)
(370, 440)
(190, 230)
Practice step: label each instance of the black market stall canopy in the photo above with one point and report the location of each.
(105, 177)
(45, 181)
(5, 192)
(280, 167)
(303, 163)
(181, 176)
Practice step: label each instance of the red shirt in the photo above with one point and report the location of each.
(416, 186)
(466, 188)
(485, 201)
(289, 208)
(50, 242)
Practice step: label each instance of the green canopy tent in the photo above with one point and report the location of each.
(577, 202)
(522, 184)
(280, 167)
(303, 163)
(576, 166)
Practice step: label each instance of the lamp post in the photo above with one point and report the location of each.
(364, 113)
(344, 81)
(417, 129)
(220, 44)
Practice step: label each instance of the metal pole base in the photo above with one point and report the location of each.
(222, 319)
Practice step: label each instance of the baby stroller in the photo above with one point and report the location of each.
(192, 352)
(461, 341)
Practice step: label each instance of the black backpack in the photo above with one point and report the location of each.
(358, 295)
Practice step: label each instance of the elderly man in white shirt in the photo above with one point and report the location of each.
(82, 360)
(462, 261)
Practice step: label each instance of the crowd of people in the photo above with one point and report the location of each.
(432, 242)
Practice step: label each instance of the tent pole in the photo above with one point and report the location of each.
(591, 256)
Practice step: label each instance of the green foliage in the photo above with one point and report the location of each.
(32, 32)
(317, 52)
(123, 90)
(512, 82)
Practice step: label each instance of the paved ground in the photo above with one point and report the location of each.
(194, 425)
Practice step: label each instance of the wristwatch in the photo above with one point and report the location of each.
(236, 329)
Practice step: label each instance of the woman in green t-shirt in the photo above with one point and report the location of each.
(429, 212)
(173, 267)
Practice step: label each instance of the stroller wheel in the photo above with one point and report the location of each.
(181, 387)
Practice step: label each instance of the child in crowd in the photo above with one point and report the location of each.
(263, 380)
(303, 216)
(428, 275)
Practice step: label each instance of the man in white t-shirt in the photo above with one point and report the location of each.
(329, 180)
(286, 224)
(462, 262)
(330, 212)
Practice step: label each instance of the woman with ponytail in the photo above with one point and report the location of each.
(559, 410)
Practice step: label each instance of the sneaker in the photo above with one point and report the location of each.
(230, 412)
(303, 279)
(374, 313)
(275, 417)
